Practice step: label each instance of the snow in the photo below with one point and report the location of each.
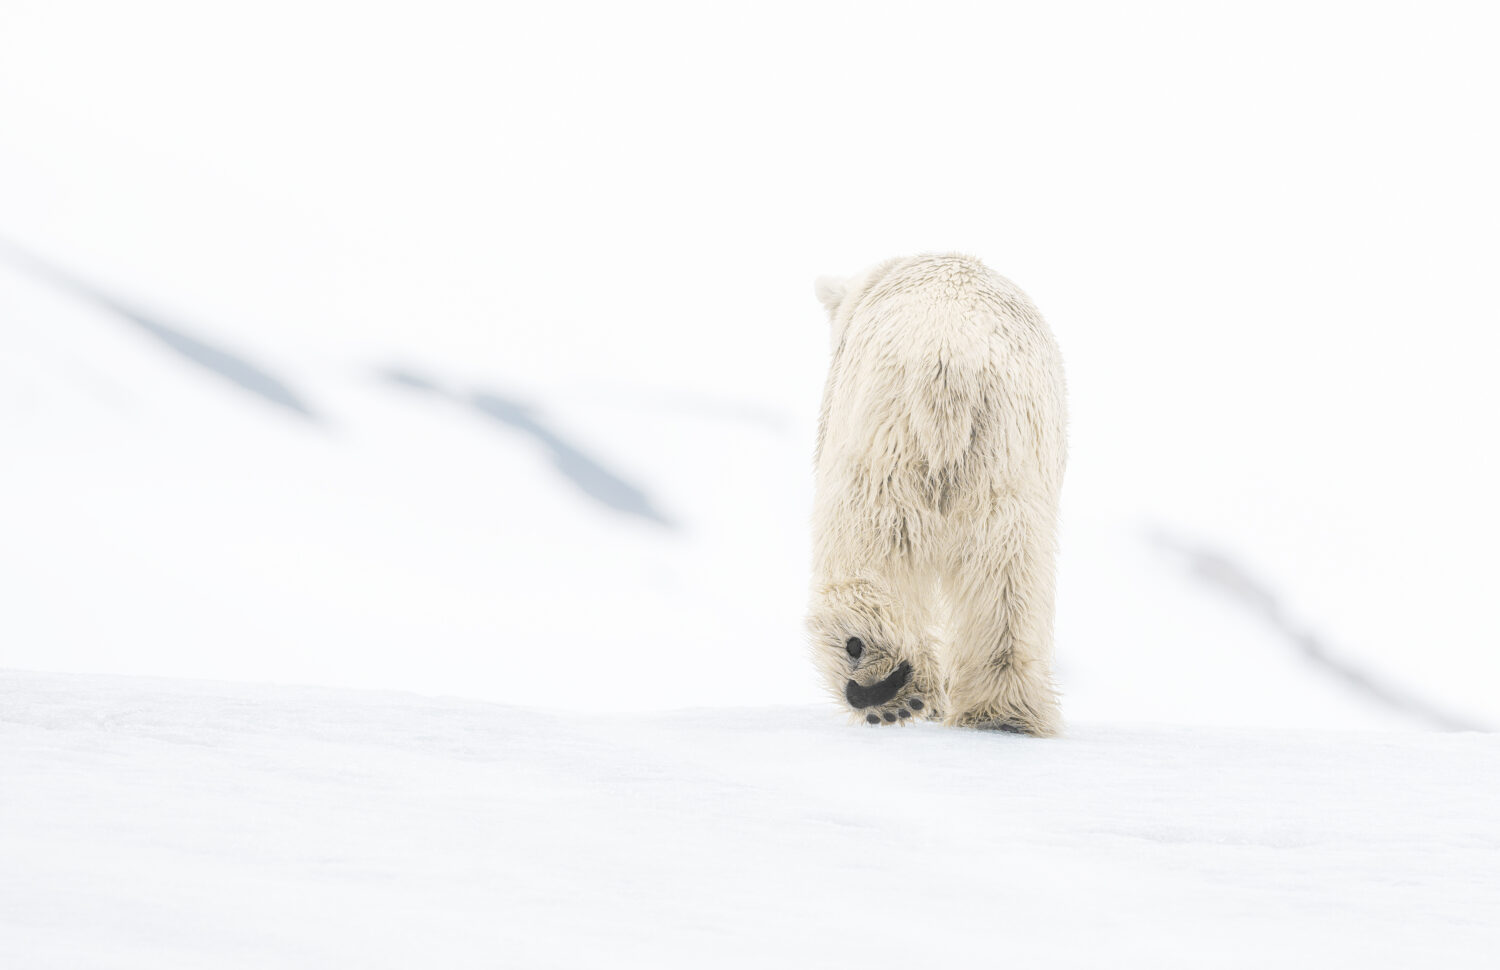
(162, 823)
(474, 355)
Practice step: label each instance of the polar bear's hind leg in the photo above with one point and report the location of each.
(873, 640)
(999, 664)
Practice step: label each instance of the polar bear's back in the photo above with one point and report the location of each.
(946, 385)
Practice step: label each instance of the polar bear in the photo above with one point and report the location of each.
(940, 457)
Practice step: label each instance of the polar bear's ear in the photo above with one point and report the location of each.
(830, 290)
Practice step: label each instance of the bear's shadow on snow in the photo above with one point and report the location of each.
(223, 363)
(585, 472)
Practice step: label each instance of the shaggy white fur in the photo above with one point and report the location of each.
(941, 449)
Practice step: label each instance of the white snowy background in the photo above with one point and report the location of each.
(405, 428)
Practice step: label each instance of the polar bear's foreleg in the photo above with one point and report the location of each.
(1000, 587)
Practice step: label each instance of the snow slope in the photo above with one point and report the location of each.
(640, 548)
(163, 823)
(473, 353)
(236, 250)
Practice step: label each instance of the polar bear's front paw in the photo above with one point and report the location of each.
(895, 698)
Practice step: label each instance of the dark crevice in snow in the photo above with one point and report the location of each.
(223, 363)
(585, 472)
(1219, 570)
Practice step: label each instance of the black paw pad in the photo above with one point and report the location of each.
(872, 718)
(916, 703)
(903, 713)
(889, 717)
(859, 695)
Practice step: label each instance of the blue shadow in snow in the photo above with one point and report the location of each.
(217, 360)
(585, 472)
